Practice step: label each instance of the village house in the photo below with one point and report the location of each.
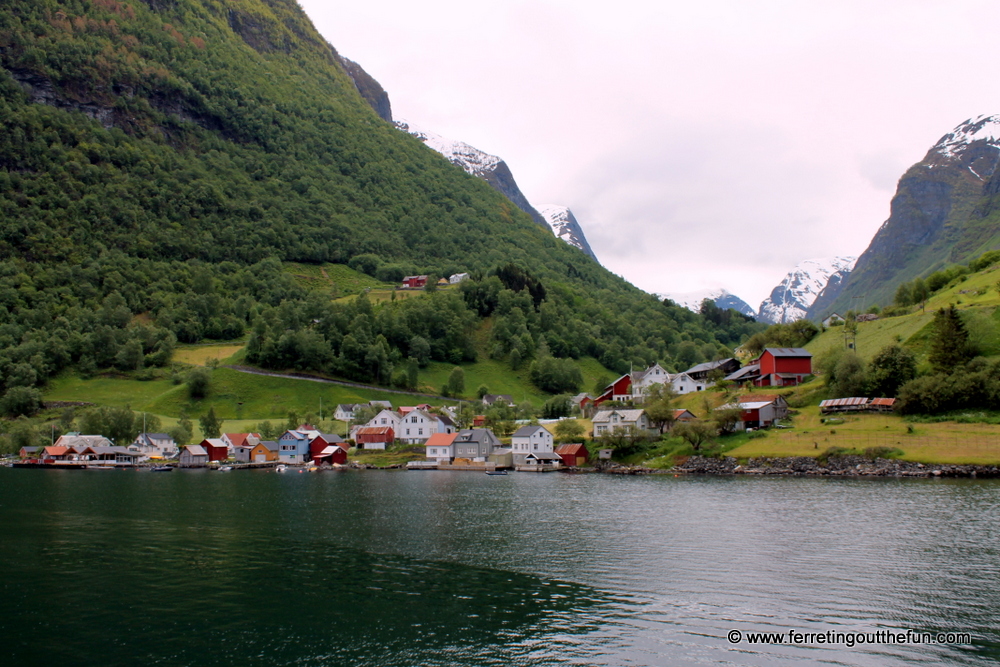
(475, 444)
(328, 448)
(262, 451)
(374, 437)
(193, 456)
(441, 447)
(543, 459)
(417, 426)
(760, 410)
(155, 445)
(834, 317)
(701, 372)
(234, 440)
(492, 399)
(619, 390)
(216, 449)
(783, 366)
(574, 454)
(293, 447)
(682, 415)
(414, 282)
(643, 380)
(29, 452)
(610, 421)
(457, 278)
(345, 411)
(528, 439)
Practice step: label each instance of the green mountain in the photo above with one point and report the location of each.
(164, 162)
(945, 212)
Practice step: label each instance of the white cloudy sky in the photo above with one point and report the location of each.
(700, 144)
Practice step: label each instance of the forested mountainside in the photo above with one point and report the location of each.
(945, 211)
(162, 161)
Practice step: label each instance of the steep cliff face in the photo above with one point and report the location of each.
(945, 211)
(370, 89)
(792, 299)
(564, 225)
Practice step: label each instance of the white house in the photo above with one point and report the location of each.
(345, 412)
(418, 425)
(528, 439)
(458, 277)
(155, 444)
(642, 381)
(682, 383)
(609, 421)
(441, 447)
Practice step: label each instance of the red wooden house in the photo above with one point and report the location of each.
(216, 449)
(328, 448)
(415, 282)
(619, 390)
(573, 455)
(374, 437)
(783, 366)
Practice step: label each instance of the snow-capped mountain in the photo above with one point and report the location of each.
(790, 300)
(564, 225)
(956, 142)
(497, 174)
(722, 298)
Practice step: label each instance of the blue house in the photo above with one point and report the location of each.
(293, 447)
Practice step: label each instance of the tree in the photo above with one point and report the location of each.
(198, 382)
(481, 391)
(695, 432)
(21, 401)
(725, 419)
(364, 414)
(556, 407)
(211, 426)
(456, 381)
(848, 376)
(569, 430)
(659, 406)
(601, 384)
(293, 421)
(267, 430)
(950, 347)
(889, 370)
(120, 425)
(23, 434)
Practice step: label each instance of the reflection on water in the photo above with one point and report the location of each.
(442, 568)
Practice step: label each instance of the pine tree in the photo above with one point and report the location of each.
(950, 346)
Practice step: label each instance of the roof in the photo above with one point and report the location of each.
(544, 456)
(196, 450)
(53, 450)
(575, 449)
(490, 399)
(746, 371)
(30, 449)
(240, 439)
(349, 407)
(327, 451)
(269, 444)
(788, 351)
(441, 439)
(626, 415)
(526, 431)
(843, 402)
(474, 435)
(373, 430)
(884, 401)
(678, 413)
(157, 436)
(755, 405)
(215, 442)
(759, 397)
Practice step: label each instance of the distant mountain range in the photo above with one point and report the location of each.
(789, 301)
(497, 174)
(946, 210)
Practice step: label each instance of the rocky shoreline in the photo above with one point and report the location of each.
(835, 466)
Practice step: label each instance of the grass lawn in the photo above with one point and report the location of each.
(337, 280)
(942, 442)
(199, 355)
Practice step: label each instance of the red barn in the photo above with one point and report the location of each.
(619, 390)
(783, 366)
(415, 282)
(328, 448)
(374, 437)
(216, 449)
(573, 455)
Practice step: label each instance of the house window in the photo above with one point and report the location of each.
(536, 446)
(383, 420)
(407, 431)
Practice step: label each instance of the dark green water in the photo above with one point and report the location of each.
(442, 568)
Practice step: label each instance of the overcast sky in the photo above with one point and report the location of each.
(699, 144)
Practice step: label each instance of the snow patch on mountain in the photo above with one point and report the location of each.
(564, 225)
(471, 159)
(790, 300)
(722, 298)
(981, 128)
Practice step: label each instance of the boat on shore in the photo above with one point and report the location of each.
(496, 472)
(161, 469)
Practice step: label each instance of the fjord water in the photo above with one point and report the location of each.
(448, 568)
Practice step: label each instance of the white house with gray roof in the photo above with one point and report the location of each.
(609, 421)
(528, 439)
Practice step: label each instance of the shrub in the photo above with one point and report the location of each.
(21, 401)
(198, 382)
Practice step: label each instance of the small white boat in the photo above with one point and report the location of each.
(225, 468)
(281, 468)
